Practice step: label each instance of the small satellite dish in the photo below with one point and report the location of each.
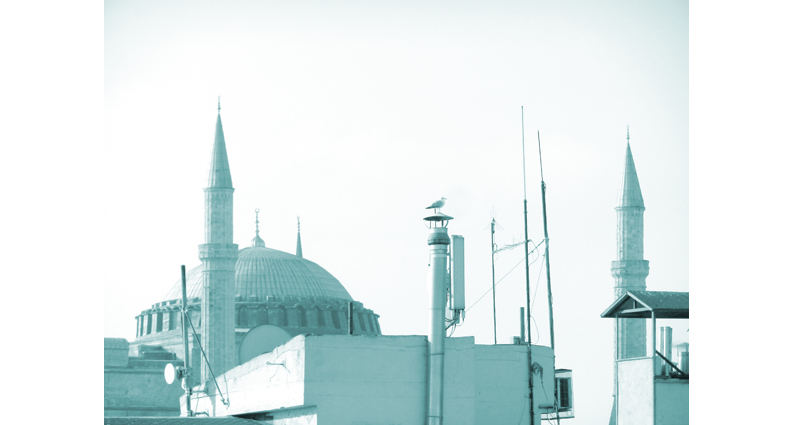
(260, 340)
(170, 373)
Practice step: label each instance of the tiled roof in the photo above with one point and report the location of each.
(178, 420)
(640, 304)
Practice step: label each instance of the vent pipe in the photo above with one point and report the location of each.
(666, 348)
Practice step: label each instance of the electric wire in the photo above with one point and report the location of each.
(536, 247)
(223, 400)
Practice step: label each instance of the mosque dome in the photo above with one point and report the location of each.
(261, 272)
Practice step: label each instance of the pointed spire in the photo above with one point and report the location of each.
(257, 242)
(630, 194)
(299, 249)
(220, 175)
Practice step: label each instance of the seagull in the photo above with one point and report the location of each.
(437, 205)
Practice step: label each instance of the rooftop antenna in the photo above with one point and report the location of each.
(526, 263)
(548, 273)
(182, 372)
(493, 276)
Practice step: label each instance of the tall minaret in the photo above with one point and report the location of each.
(630, 269)
(218, 257)
(299, 249)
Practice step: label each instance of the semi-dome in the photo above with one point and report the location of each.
(266, 272)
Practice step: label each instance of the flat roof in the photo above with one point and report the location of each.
(640, 304)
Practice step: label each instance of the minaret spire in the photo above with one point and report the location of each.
(218, 255)
(630, 269)
(299, 249)
(220, 175)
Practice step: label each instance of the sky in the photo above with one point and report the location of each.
(108, 115)
(357, 115)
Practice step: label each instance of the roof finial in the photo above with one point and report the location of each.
(627, 134)
(219, 103)
(257, 241)
(299, 224)
(257, 221)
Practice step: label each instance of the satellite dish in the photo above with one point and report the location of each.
(260, 340)
(170, 373)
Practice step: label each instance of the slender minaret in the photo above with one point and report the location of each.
(630, 269)
(218, 256)
(299, 249)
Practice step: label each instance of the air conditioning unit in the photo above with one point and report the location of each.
(563, 391)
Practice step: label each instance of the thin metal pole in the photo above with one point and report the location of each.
(350, 318)
(186, 379)
(493, 279)
(548, 277)
(526, 263)
(523, 335)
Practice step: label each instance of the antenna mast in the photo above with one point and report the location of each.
(526, 263)
(186, 380)
(493, 277)
(548, 277)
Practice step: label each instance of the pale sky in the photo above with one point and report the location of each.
(107, 128)
(357, 115)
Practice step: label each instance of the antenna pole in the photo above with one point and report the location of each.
(548, 276)
(526, 263)
(493, 278)
(186, 379)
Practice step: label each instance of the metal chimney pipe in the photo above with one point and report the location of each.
(667, 348)
(436, 286)
(523, 336)
(683, 361)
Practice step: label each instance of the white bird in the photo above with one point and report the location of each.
(437, 205)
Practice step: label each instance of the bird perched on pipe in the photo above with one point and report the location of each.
(437, 205)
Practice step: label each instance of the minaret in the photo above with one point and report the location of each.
(299, 249)
(630, 269)
(218, 256)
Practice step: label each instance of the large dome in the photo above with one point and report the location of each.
(263, 271)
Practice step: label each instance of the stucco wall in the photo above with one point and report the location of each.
(137, 387)
(672, 401)
(367, 380)
(502, 388)
(258, 386)
(635, 386)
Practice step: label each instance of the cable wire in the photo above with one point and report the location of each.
(223, 400)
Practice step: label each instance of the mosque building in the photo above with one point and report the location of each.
(271, 287)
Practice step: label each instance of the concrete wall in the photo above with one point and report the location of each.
(369, 380)
(257, 386)
(135, 386)
(635, 386)
(672, 401)
(502, 387)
